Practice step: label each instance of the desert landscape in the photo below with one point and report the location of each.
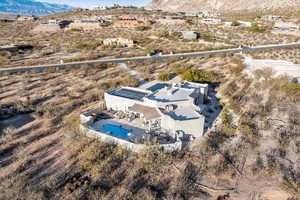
(233, 117)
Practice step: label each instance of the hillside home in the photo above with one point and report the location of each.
(286, 26)
(171, 21)
(99, 7)
(196, 13)
(47, 27)
(23, 18)
(8, 18)
(118, 42)
(189, 35)
(77, 9)
(211, 21)
(87, 24)
(131, 22)
(271, 17)
(173, 108)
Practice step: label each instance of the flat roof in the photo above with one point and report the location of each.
(129, 93)
(184, 113)
(172, 94)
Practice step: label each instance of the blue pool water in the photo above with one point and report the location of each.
(116, 131)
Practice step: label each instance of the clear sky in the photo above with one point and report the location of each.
(89, 3)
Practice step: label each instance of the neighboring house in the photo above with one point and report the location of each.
(189, 35)
(8, 18)
(87, 24)
(49, 27)
(26, 18)
(271, 17)
(107, 18)
(211, 21)
(286, 26)
(171, 21)
(228, 23)
(131, 22)
(118, 41)
(77, 9)
(53, 21)
(173, 108)
(196, 13)
(99, 7)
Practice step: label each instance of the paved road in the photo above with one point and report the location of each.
(144, 58)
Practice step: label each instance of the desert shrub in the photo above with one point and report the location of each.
(4, 60)
(291, 183)
(194, 75)
(258, 165)
(207, 36)
(256, 28)
(87, 46)
(230, 88)
(5, 54)
(76, 30)
(153, 159)
(266, 73)
(293, 91)
(181, 187)
(222, 165)
(227, 130)
(130, 81)
(180, 71)
(7, 135)
(164, 76)
(226, 117)
(271, 165)
(143, 28)
(176, 34)
(235, 105)
(163, 33)
(235, 23)
(237, 69)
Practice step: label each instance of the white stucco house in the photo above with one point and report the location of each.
(99, 7)
(271, 17)
(189, 35)
(171, 107)
(211, 21)
(118, 41)
(286, 26)
(86, 24)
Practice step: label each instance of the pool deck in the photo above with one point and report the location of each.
(138, 130)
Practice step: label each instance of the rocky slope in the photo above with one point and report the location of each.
(31, 7)
(221, 5)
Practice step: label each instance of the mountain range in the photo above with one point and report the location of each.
(222, 5)
(31, 7)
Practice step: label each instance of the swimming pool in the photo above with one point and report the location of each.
(116, 131)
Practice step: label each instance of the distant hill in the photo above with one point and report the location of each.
(31, 7)
(222, 5)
